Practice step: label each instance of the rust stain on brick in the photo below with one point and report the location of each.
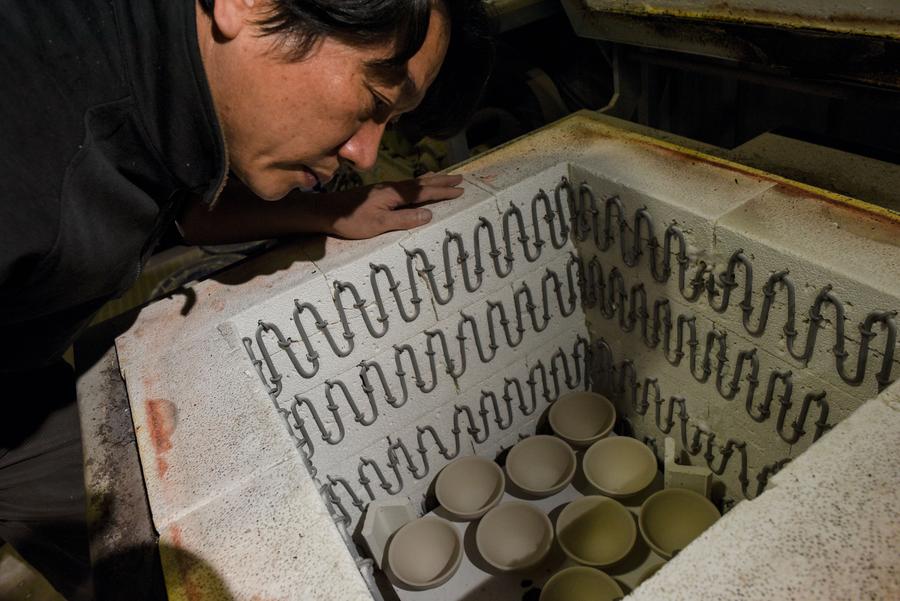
(184, 565)
(587, 132)
(162, 467)
(175, 535)
(161, 421)
(885, 220)
(149, 382)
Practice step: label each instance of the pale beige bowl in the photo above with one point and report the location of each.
(581, 584)
(649, 573)
(595, 531)
(582, 418)
(619, 466)
(425, 553)
(514, 536)
(470, 486)
(541, 465)
(672, 518)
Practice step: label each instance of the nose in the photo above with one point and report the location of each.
(361, 148)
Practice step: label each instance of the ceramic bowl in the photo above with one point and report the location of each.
(581, 584)
(649, 573)
(541, 465)
(514, 536)
(670, 519)
(596, 531)
(425, 553)
(582, 418)
(470, 486)
(619, 466)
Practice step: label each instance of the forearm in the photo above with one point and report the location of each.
(241, 216)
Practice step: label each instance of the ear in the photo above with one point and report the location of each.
(230, 16)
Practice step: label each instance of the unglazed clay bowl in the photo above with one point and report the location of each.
(541, 465)
(619, 466)
(514, 536)
(425, 553)
(469, 486)
(595, 531)
(582, 418)
(649, 573)
(581, 584)
(670, 519)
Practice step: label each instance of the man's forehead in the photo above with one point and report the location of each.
(392, 76)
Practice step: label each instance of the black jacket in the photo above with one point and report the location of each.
(106, 124)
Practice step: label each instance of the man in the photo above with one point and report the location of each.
(119, 118)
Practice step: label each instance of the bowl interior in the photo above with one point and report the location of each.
(469, 486)
(582, 416)
(619, 465)
(596, 530)
(541, 464)
(581, 584)
(425, 552)
(649, 573)
(672, 518)
(514, 536)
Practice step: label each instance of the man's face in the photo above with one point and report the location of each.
(288, 123)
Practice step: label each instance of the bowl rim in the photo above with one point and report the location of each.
(441, 578)
(492, 502)
(670, 491)
(569, 474)
(545, 549)
(575, 440)
(594, 448)
(598, 500)
(586, 569)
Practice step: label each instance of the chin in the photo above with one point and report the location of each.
(268, 189)
(274, 195)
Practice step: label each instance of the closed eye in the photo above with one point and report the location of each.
(381, 108)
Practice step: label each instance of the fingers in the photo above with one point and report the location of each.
(439, 187)
(439, 180)
(431, 193)
(405, 219)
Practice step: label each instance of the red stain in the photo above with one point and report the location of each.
(218, 305)
(149, 382)
(184, 566)
(162, 467)
(194, 593)
(175, 534)
(161, 421)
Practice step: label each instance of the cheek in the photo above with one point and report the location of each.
(330, 111)
(301, 112)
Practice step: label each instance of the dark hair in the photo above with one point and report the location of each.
(456, 91)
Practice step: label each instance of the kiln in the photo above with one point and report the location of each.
(750, 318)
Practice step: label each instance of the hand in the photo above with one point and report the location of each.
(372, 210)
